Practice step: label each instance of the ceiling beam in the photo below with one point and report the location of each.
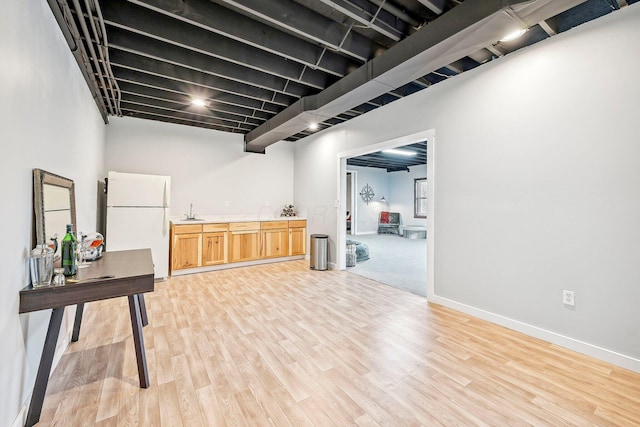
(455, 34)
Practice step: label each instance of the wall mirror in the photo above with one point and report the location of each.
(54, 204)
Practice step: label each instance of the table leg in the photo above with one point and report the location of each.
(136, 325)
(77, 322)
(42, 377)
(143, 310)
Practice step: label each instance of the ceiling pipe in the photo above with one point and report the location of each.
(461, 31)
(64, 17)
(93, 56)
(111, 79)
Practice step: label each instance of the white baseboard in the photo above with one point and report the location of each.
(22, 415)
(591, 350)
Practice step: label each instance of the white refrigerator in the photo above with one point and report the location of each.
(138, 216)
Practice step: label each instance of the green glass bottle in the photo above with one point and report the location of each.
(69, 244)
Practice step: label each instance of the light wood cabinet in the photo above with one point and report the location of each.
(274, 239)
(186, 246)
(198, 246)
(214, 244)
(244, 241)
(297, 237)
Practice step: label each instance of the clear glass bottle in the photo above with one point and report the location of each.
(69, 245)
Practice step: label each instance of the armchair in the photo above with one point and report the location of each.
(389, 222)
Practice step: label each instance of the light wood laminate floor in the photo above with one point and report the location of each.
(280, 345)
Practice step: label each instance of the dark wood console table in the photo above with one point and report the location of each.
(121, 273)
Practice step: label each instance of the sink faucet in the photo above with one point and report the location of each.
(191, 215)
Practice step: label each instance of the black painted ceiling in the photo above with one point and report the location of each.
(393, 162)
(259, 64)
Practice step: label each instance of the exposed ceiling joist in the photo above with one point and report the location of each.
(436, 6)
(265, 69)
(291, 61)
(309, 25)
(367, 20)
(549, 27)
(232, 25)
(393, 162)
(458, 33)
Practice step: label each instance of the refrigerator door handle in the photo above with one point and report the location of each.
(165, 222)
(165, 196)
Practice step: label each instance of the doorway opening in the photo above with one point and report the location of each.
(398, 259)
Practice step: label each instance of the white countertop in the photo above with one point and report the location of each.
(203, 219)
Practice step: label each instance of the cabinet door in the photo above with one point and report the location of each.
(275, 243)
(186, 251)
(297, 241)
(244, 245)
(214, 248)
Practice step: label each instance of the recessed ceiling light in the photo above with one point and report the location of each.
(313, 126)
(514, 35)
(400, 152)
(198, 102)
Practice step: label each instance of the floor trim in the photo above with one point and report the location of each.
(591, 350)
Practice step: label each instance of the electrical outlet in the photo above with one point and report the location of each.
(568, 298)
(226, 203)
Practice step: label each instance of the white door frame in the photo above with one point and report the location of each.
(354, 202)
(341, 192)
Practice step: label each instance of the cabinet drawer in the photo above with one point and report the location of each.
(187, 228)
(298, 223)
(242, 226)
(270, 225)
(207, 228)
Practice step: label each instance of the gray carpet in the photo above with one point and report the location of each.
(394, 261)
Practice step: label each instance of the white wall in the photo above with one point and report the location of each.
(367, 214)
(49, 121)
(536, 185)
(207, 167)
(401, 194)
(397, 189)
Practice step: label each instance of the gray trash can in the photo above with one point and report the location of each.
(318, 251)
